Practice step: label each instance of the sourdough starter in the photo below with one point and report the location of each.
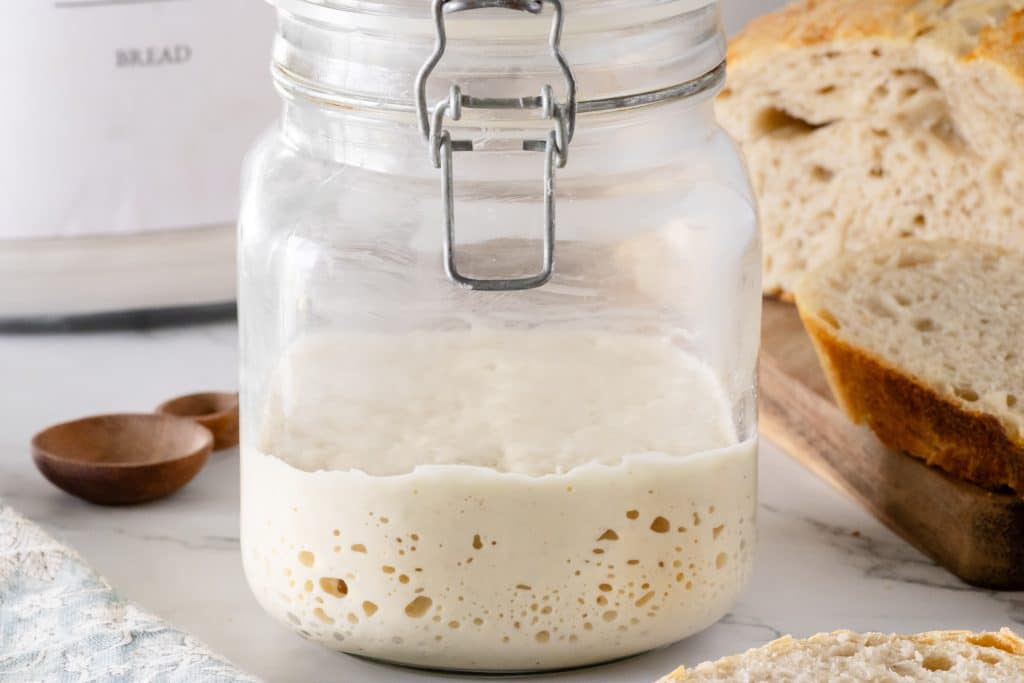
(496, 500)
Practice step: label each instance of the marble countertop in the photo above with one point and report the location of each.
(822, 562)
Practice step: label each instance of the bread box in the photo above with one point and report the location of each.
(123, 130)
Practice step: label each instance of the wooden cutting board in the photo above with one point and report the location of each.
(976, 534)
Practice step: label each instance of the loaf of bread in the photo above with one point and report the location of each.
(866, 120)
(847, 657)
(922, 341)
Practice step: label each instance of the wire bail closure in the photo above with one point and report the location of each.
(555, 146)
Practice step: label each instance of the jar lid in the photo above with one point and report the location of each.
(590, 11)
(617, 49)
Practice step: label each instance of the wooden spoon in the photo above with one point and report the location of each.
(218, 412)
(122, 459)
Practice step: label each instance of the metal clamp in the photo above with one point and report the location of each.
(555, 146)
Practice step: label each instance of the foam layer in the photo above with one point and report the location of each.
(514, 401)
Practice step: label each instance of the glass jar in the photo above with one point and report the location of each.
(498, 340)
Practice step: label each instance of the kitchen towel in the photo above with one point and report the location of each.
(59, 621)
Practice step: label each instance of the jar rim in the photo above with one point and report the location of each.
(404, 16)
(664, 50)
(711, 80)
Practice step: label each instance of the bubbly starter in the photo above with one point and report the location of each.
(496, 500)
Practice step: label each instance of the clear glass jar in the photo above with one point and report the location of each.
(530, 470)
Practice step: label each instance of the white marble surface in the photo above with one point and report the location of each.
(822, 563)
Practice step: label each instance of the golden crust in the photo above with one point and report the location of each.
(909, 416)
(1003, 44)
(816, 22)
(808, 23)
(1005, 640)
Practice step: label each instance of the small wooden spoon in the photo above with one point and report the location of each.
(218, 412)
(122, 459)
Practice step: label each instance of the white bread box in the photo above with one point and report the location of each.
(123, 129)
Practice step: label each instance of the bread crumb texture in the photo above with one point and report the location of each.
(866, 120)
(846, 657)
(921, 341)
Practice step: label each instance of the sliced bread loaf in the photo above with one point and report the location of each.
(922, 341)
(866, 120)
(845, 657)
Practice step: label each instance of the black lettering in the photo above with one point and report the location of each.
(153, 55)
(125, 58)
(182, 54)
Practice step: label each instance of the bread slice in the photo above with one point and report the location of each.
(844, 657)
(922, 341)
(866, 120)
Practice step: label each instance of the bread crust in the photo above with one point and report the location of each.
(808, 23)
(910, 416)
(817, 22)
(1003, 45)
(1005, 640)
